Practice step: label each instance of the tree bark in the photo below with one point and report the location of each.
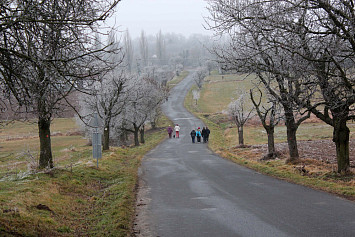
(240, 135)
(123, 138)
(106, 142)
(45, 157)
(291, 136)
(153, 124)
(271, 140)
(142, 135)
(341, 135)
(136, 136)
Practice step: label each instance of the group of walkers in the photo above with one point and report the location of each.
(195, 134)
(205, 133)
(176, 129)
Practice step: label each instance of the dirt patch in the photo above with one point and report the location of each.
(74, 133)
(317, 161)
(321, 150)
(141, 226)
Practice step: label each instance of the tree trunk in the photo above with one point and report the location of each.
(45, 157)
(153, 124)
(341, 135)
(106, 143)
(291, 136)
(240, 135)
(123, 137)
(136, 136)
(271, 140)
(142, 135)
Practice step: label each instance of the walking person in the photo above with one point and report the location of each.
(193, 135)
(203, 134)
(170, 131)
(177, 130)
(198, 134)
(207, 133)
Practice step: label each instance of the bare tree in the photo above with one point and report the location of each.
(144, 97)
(317, 37)
(325, 35)
(196, 95)
(270, 117)
(199, 77)
(163, 75)
(4, 106)
(47, 52)
(154, 116)
(108, 100)
(185, 57)
(143, 46)
(160, 48)
(178, 69)
(285, 93)
(251, 49)
(176, 63)
(210, 65)
(239, 111)
(128, 51)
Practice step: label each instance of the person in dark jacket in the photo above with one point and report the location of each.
(170, 131)
(203, 134)
(193, 135)
(207, 132)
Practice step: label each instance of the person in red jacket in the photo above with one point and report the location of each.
(177, 130)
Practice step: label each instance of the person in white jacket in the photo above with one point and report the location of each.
(177, 130)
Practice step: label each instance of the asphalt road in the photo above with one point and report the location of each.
(186, 190)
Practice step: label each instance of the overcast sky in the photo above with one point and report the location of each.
(178, 16)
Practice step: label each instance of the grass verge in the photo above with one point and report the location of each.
(77, 199)
(221, 144)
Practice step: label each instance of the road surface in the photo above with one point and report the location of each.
(186, 190)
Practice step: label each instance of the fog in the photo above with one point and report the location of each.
(181, 17)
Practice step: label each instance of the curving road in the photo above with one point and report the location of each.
(186, 190)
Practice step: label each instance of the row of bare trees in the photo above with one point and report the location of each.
(52, 54)
(302, 52)
(254, 103)
(48, 49)
(166, 49)
(125, 102)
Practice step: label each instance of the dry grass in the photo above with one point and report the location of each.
(177, 79)
(75, 198)
(24, 130)
(225, 88)
(14, 142)
(317, 165)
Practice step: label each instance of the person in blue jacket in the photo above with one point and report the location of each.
(198, 134)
